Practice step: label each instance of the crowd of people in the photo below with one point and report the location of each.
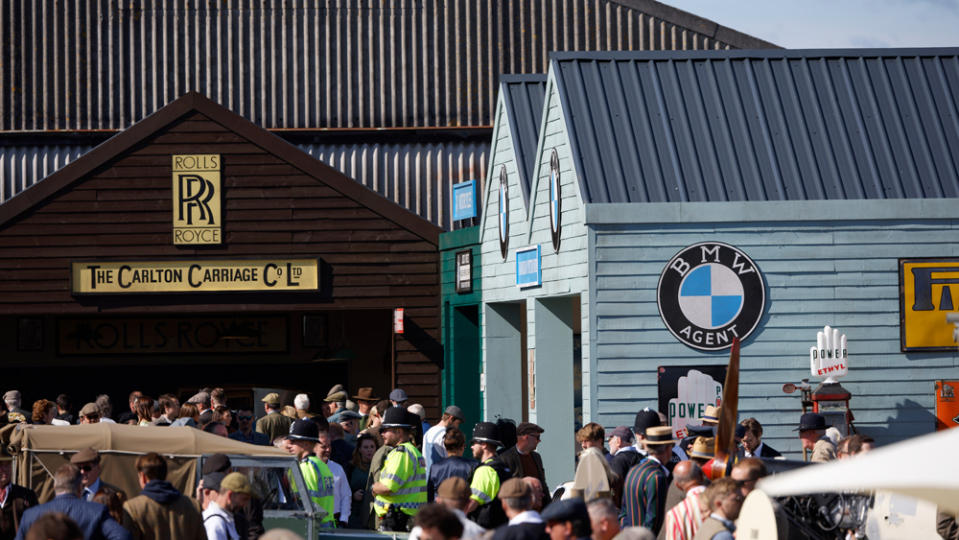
(371, 463)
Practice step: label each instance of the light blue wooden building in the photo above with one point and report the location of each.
(825, 168)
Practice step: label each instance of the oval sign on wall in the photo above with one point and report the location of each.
(503, 212)
(555, 200)
(710, 293)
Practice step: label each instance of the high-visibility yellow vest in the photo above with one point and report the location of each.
(319, 486)
(404, 473)
(485, 485)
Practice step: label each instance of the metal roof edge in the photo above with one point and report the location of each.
(695, 22)
(521, 78)
(195, 102)
(525, 184)
(561, 56)
(769, 211)
(574, 151)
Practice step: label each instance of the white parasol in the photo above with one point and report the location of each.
(918, 467)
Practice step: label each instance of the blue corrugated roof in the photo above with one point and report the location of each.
(523, 99)
(762, 125)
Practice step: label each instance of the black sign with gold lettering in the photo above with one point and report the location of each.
(159, 335)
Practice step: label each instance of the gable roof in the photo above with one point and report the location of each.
(523, 97)
(195, 103)
(762, 125)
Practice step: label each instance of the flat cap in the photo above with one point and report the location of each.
(623, 432)
(237, 483)
(398, 395)
(335, 397)
(272, 398)
(514, 488)
(568, 510)
(213, 480)
(454, 411)
(11, 395)
(216, 463)
(85, 456)
(528, 428)
(454, 488)
(199, 397)
(90, 408)
(344, 415)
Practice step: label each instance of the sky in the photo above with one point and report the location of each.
(817, 24)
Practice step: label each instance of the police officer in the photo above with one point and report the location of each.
(303, 436)
(401, 489)
(484, 507)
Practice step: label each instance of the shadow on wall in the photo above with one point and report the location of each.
(911, 420)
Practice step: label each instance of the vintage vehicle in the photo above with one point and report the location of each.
(892, 492)
(39, 450)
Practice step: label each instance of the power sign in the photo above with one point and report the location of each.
(685, 392)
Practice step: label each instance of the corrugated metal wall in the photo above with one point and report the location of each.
(104, 64)
(418, 176)
(23, 166)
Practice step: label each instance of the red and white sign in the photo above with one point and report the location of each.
(828, 358)
(398, 320)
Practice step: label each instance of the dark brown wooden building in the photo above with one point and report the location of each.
(152, 325)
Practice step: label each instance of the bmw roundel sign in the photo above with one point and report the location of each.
(710, 293)
(555, 200)
(503, 212)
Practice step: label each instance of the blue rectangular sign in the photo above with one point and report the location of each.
(464, 200)
(529, 269)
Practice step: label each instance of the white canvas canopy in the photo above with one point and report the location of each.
(909, 468)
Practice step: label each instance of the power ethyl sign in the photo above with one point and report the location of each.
(709, 293)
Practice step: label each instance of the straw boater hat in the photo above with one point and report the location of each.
(711, 416)
(660, 435)
(702, 448)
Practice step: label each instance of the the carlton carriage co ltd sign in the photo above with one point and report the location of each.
(710, 293)
(197, 219)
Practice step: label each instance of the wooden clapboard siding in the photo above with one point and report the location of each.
(277, 202)
(564, 274)
(842, 272)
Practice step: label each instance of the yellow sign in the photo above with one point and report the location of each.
(197, 199)
(167, 335)
(195, 276)
(929, 290)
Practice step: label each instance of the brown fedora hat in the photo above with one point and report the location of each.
(365, 393)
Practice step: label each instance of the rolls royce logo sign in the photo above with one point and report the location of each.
(710, 293)
(196, 199)
(555, 200)
(503, 212)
